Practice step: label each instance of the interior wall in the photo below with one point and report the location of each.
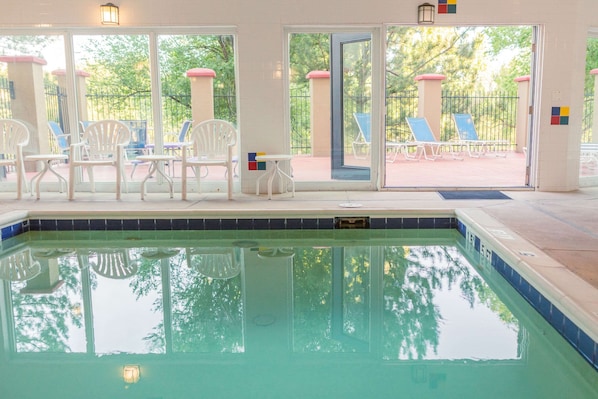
(260, 55)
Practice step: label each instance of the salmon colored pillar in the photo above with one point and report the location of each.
(319, 88)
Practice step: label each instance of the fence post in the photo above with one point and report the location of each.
(595, 113)
(202, 94)
(430, 100)
(29, 102)
(319, 91)
(81, 85)
(522, 121)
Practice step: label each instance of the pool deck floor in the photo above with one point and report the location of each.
(564, 226)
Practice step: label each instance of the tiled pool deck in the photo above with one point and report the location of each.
(545, 244)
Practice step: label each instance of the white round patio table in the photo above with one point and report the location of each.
(274, 160)
(155, 161)
(48, 161)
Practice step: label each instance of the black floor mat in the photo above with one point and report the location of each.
(473, 194)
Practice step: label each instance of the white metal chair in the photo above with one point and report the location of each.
(14, 136)
(103, 144)
(211, 143)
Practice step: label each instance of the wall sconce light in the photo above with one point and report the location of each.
(425, 14)
(109, 14)
(131, 373)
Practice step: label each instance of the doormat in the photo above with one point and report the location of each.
(473, 195)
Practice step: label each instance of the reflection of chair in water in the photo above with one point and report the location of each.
(111, 263)
(159, 253)
(276, 253)
(19, 266)
(216, 263)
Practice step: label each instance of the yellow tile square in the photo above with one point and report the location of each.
(564, 111)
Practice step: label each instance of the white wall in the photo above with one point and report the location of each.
(260, 54)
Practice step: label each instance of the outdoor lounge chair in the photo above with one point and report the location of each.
(62, 139)
(362, 142)
(469, 137)
(423, 136)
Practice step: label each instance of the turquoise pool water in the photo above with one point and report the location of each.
(272, 314)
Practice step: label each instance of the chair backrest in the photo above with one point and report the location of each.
(184, 130)
(19, 266)
(138, 129)
(465, 127)
(13, 136)
(212, 138)
(112, 263)
(420, 129)
(103, 138)
(364, 122)
(61, 138)
(216, 263)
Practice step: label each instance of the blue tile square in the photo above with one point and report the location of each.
(294, 224)
(426, 223)
(212, 224)
(277, 224)
(587, 347)
(147, 224)
(130, 224)
(394, 223)
(309, 223)
(114, 224)
(410, 223)
(163, 224)
(34, 224)
(97, 224)
(228, 224)
(48, 225)
(557, 319)
(380, 223)
(534, 297)
(64, 225)
(571, 332)
(443, 223)
(81, 224)
(461, 228)
(196, 224)
(326, 223)
(545, 307)
(261, 224)
(6, 232)
(180, 224)
(245, 224)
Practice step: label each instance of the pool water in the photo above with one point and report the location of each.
(262, 314)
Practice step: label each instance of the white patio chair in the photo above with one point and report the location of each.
(211, 143)
(14, 136)
(103, 144)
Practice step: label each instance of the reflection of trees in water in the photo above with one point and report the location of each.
(207, 314)
(411, 275)
(312, 301)
(42, 320)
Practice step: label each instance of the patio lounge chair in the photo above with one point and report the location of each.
(589, 154)
(361, 144)
(62, 139)
(469, 137)
(423, 136)
(14, 136)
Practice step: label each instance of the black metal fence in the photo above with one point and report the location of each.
(494, 113)
(5, 97)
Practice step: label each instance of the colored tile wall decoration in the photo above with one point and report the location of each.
(447, 6)
(559, 116)
(253, 164)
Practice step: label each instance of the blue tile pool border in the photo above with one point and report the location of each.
(582, 342)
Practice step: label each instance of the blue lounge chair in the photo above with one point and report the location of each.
(422, 135)
(469, 137)
(62, 139)
(362, 142)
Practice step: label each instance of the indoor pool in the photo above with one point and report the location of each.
(271, 314)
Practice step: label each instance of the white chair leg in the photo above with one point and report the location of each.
(71, 181)
(230, 181)
(184, 182)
